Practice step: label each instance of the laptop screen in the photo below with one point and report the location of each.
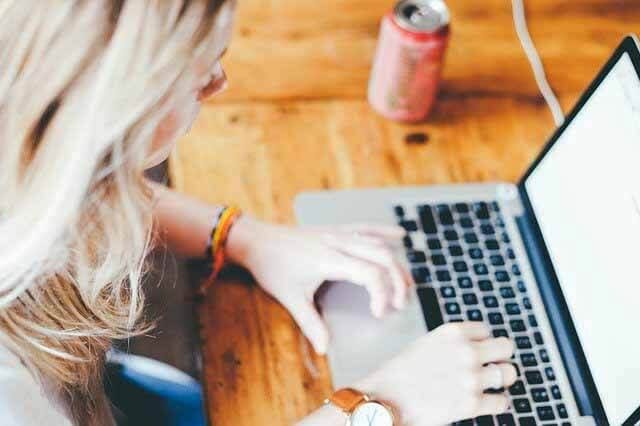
(585, 193)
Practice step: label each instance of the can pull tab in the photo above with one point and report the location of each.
(424, 15)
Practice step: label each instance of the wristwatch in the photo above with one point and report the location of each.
(362, 410)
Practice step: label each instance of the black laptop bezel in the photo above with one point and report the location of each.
(630, 45)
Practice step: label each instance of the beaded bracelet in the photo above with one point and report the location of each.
(217, 241)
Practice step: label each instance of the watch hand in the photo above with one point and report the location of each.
(373, 418)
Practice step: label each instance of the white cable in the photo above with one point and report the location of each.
(520, 21)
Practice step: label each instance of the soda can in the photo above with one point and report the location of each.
(409, 58)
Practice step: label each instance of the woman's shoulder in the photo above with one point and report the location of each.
(23, 400)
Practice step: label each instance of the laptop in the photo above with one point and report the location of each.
(551, 262)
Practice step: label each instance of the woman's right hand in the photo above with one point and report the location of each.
(442, 377)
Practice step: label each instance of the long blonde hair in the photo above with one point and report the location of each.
(83, 87)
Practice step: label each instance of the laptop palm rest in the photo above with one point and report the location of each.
(360, 343)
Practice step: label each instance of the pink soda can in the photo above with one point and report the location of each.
(409, 59)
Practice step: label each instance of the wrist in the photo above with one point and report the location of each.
(240, 240)
(380, 388)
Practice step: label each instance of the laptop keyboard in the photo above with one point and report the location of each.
(466, 270)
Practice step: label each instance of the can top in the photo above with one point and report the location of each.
(422, 15)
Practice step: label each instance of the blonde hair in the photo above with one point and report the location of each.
(84, 85)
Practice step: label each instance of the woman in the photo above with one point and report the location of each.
(93, 92)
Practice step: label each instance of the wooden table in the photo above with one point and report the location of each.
(296, 119)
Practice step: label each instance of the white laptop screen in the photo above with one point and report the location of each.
(585, 194)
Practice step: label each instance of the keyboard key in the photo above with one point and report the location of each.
(438, 260)
(481, 210)
(527, 421)
(526, 303)
(491, 245)
(427, 220)
(545, 412)
(511, 254)
(480, 269)
(490, 301)
(416, 257)
(407, 241)
(551, 375)
(468, 422)
(452, 308)
(500, 332)
(451, 235)
(469, 299)
(533, 322)
(507, 293)
(517, 326)
(517, 388)
(555, 392)
(409, 225)
(506, 420)
(456, 250)
(461, 207)
(475, 253)
(485, 421)
(522, 405)
(512, 308)
(500, 222)
(443, 276)
(502, 276)
(544, 355)
(421, 275)
(434, 244)
(466, 222)
(495, 318)
(562, 411)
(470, 238)
(444, 214)
(399, 211)
(496, 260)
(528, 360)
(505, 238)
(539, 395)
(521, 287)
(534, 377)
(448, 292)
(487, 230)
(474, 315)
(537, 336)
(430, 307)
(515, 270)
(523, 342)
(485, 285)
(464, 282)
(460, 266)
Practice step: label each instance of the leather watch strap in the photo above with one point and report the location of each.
(347, 399)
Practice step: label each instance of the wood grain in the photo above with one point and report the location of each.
(296, 119)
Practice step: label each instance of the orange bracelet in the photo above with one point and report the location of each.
(219, 236)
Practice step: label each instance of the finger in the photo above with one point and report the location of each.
(384, 258)
(497, 376)
(494, 350)
(469, 330)
(368, 275)
(389, 233)
(491, 404)
(311, 324)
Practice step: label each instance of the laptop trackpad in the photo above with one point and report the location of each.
(360, 342)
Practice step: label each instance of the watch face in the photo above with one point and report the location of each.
(371, 414)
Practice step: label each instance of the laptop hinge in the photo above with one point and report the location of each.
(556, 309)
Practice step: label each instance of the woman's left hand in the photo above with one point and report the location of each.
(292, 263)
